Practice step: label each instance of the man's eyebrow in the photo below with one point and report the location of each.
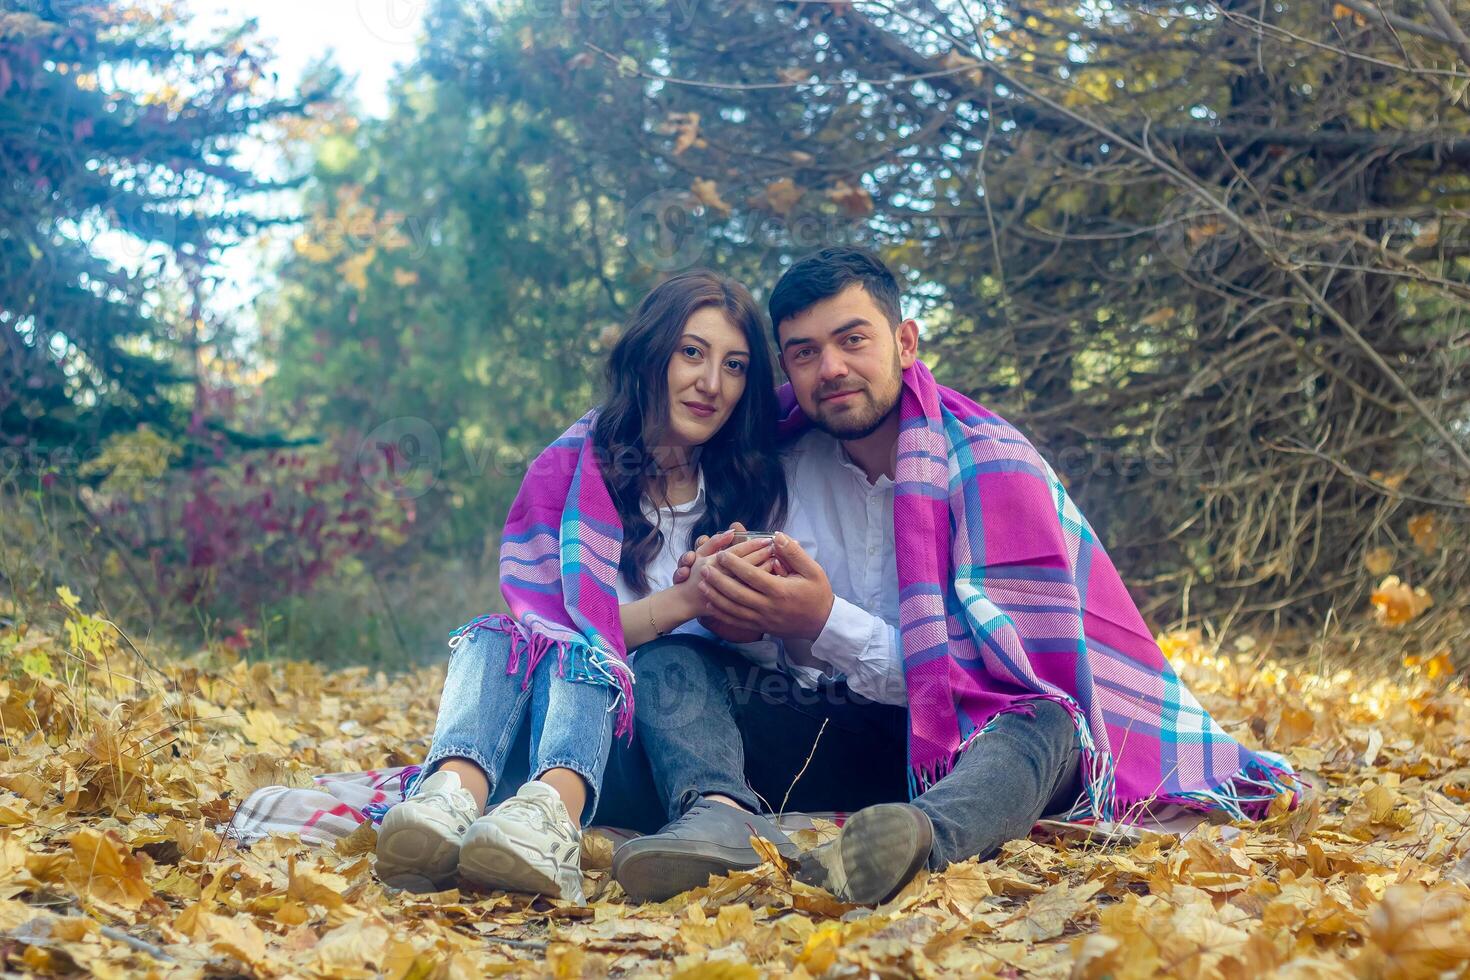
(707, 344)
(852, 324)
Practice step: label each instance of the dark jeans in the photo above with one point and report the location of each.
(710, 721)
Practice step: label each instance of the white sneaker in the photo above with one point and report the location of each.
(526, 844)
(418, 843)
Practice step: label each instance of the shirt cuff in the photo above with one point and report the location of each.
(808, 677)
(849, 631)
(764, 653)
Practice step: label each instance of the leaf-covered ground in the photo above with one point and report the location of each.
(119, 773)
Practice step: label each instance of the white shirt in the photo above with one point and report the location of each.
(846, 524)
(675, 522)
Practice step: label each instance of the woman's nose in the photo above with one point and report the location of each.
(709, 380)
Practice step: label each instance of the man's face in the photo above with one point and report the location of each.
(846, 361)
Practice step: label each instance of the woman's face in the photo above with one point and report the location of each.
(706, 377)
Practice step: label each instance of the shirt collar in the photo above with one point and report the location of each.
(696, 503)
(840, 454)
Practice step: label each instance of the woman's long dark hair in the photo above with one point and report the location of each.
(742, 473)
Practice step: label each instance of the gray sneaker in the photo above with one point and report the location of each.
(709, 839)
(878, 851)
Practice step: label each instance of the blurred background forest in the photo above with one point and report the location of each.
(1213, 258)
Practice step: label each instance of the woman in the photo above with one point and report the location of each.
(683, 446)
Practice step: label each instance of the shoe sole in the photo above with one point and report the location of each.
(658, 874)
(489, 859)
(415, 855)
(882, 848)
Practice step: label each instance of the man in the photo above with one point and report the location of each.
(990, 646)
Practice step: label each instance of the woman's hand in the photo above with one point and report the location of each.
(691, 572)
(706, 546)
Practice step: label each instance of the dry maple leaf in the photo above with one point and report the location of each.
(962, 66)
(768, 854)
(15, 876)
(363, 840)
(105, 869)
(256, 770)
(1395, 604)
(685, 128)
(1424, 531)
(597, 851)
(1048, 915)
(1378, 561)
(1343, 12)
(265, 729)
(713, 969)
(1415, 932)
(855, 202)
(780, 196)
(1391, 480)
(708, 194)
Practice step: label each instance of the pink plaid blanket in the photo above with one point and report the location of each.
(559, 555)
(1007, 597)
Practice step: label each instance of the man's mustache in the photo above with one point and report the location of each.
(827, 391)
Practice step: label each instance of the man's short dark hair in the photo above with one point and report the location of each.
(824, 274)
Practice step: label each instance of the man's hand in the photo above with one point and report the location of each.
(693, 563)
(741, 593)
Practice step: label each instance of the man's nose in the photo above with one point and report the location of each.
(832, 365)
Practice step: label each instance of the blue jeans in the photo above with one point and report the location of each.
(482, 708)
(709, 721)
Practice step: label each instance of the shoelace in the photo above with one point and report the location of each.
(533, 805)
(688, 817)
(445, 800)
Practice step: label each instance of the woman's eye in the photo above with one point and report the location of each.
(692, 351)
(736, 366)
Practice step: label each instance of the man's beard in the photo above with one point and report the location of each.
(858, 422)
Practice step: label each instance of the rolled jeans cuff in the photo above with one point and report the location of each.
(680, 801)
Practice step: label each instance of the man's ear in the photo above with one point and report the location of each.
(907, 338)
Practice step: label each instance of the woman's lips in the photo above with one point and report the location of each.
(703, 411)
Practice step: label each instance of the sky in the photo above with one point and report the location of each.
(368, 39)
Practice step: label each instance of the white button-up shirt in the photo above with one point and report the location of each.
(675, 522)
(846, 524)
